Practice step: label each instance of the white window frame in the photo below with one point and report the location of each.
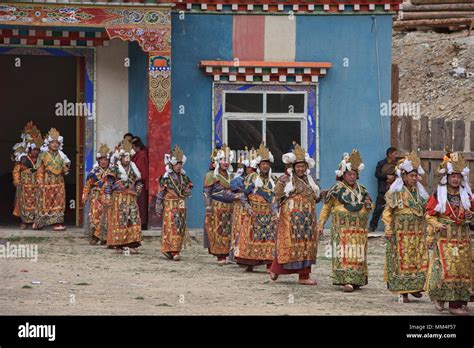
(265, 116)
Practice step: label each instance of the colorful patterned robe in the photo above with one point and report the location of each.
(219, 200)
(24, 179)
(449, 276)
(124, 224)
(173, 192)
(256, 242)
(94, 190)
(238, 213)
(406, 257)
(349, 234)
(296, 234)
(51, 200)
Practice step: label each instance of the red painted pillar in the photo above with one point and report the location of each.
(159, 123)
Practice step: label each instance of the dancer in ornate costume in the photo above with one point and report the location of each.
(406, 258)
(123, 186)
(24, 174)
(51, 166)
(350, 204)
(449, 216)
(94, 192)
(256, 242)
(175, 188)
(296, 237)
(219, 200)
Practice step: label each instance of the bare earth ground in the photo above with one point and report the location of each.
(79, 279)
(427, 61)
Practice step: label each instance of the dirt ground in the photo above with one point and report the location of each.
(79, 279)
(427, 61)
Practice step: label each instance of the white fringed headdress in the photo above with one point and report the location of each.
(263, 154)
(125, 151)
(223, 154)
(53, 135)
(350, 162)
(30, 139)
(103, 152)
(408, 164)
(453, 163)
(297, 155)
(173, 158)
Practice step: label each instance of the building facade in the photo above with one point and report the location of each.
(195, 73)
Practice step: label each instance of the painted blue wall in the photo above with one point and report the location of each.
(137, 92)
(195, 38)
(349, 102)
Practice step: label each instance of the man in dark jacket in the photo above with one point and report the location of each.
(385, 174)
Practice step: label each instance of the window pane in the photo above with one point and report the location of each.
(243, 102)
(285, 103)
(244, 133)
(280, 137)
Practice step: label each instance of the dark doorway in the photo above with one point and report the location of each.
(31, 92)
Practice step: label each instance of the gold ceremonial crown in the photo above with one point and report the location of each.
(414, 159)
(299, 152)
(355, 160)
(32, 134)
(31, 129)
(38, 141)
(263, 152)
(54, 134)
(103, 150)
(177, 153)
(457, 161)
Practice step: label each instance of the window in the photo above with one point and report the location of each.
(277, 118)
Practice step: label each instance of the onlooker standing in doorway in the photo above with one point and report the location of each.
(385, 174)
(140, 158)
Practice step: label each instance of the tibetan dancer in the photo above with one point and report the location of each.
(245, 166)
(51, 166)
(219, 200)
(350, 205)
(123, 186)
(296, 236)
(406, 258)
(24, 174)
(256, 242)
(449, 216)
(94, 192)
(175, 188)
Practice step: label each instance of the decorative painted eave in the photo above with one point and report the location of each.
(289, 6)
(53, 37)
(248, 6)
(261, 71)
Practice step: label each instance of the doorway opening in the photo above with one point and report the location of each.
(30, 89)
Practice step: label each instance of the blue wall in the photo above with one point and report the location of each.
(348, 96)
(138, 92)
(348, 100)
(195, 38)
